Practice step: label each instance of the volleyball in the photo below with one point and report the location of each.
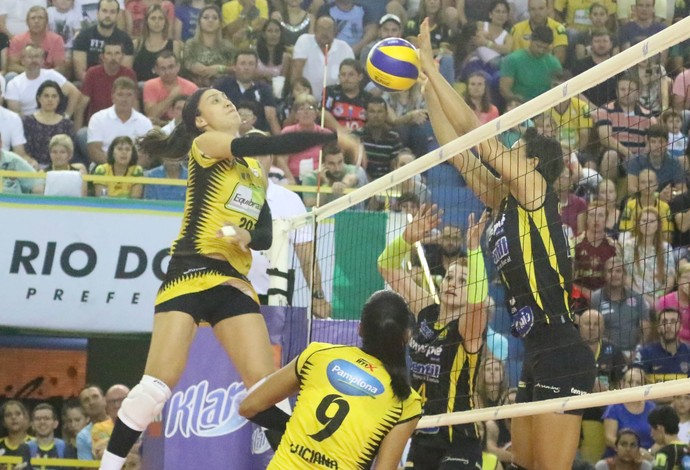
(393, 64)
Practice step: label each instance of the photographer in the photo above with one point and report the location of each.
(335, 173)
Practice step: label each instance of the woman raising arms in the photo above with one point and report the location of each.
(446, 343)
(206, 278)
(374, 414)
(531, 253)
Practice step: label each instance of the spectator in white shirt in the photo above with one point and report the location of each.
(309, 59)
(21, 91)
(12, 131)
(120, 119)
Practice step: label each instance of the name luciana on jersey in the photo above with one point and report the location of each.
(349, 379)
(313, 456)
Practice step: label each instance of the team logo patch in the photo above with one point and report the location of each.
(522, 322)
(349, 379)
(426, 331)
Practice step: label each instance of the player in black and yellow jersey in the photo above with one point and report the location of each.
(15, 420)
(531, 253)
(354, 404)
(446, 345)
(206, 278)
(674, 454)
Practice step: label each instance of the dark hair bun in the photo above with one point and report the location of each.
(531, 134)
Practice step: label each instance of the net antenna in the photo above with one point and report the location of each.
(425, 266)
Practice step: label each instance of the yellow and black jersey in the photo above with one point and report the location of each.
(444, 374)
(22, 450)
(220, 191)
(530, 250)
(674, 456)
(345, 408)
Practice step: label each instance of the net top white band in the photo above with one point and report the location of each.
(559, 405)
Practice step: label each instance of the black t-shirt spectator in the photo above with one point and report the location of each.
(91, 41)
(259, 93)
(600, 94)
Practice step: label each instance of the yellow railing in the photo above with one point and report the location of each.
(42, 464)
(170, 182)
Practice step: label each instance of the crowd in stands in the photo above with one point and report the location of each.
(83, 79)
(84, 425)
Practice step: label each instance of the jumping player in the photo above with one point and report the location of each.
(206, 278)
(531, 253)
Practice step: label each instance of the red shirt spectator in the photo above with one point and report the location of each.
(160, 92)
(99, 79)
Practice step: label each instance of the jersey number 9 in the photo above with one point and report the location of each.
(331, 423)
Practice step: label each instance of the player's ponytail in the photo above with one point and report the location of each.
(385, 331)
(175, 146)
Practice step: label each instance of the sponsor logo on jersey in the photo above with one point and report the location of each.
(242, 201)
(198, 411)
(366, 364)
(548, 387)
(500, 253)
(428, 350)
(522, 321)
(426, 331)
(349, 379)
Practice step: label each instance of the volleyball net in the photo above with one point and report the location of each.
(350, 232)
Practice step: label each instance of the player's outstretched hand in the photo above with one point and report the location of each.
(427, 218)
(426, 53)
(475, 230)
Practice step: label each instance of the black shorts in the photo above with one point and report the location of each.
(464, 454)
(212, 305)
(210, 299)
(557, 364)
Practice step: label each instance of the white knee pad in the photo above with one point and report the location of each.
(143, 403)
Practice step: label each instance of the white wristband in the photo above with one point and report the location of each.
(228, 231)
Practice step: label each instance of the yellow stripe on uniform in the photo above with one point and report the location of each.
(525, 235)
(547, 240)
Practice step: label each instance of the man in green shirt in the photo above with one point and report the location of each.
(527, 73)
